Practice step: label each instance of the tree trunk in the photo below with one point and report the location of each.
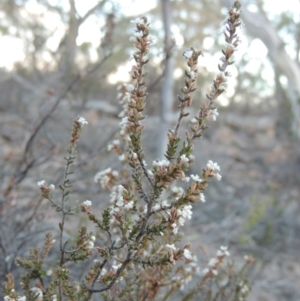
(67, 61)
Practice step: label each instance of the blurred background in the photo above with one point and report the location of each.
(64, 58)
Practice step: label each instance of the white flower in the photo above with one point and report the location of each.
(130, 88)
(244, 289)
(184, 159)
(213, 114)
(192, 74)
(187, 254)
(156, 207)
(41, 183)
(103, 272)
(172, 247)
(87, 203)
(186, 179)
(150, 173)
(212, 262)
(187, 53)
(115, 267)
(21, 299)
(194, 120)
(181, 221)
(202, 197)
(54, 298)
(215, 272)
(186, 212)
(223, 251)
(113, 144)
(138, 34)
(162, 163)
(49, 272)
(218, 176)
(89, 245)
(124, 122)
(120, 199)
(213, 166)
(164, 203)
(122, 157)
(129, 205)
(82, 121)
(101, 174)
(175, 228)
(196, 178)
(178, 191)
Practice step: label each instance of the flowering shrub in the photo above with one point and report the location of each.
(136, 244)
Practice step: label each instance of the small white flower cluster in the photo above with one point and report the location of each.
(187, 254)
(43, 184)
(105, 176)
(223, 252)
(81, 121)
(115, 267)
(243, 291)
(160, 167)
(215, 262)
(117, 196)
(87, 203)
(157, 206)
(120, 199)
(127, 102)
(194, 121)
(138, 34)
(214, 166)
(184, 159)
(184, 213)
(54, 297)
(187, 54)
(178, 191)
(192, 74)
(196, 178)
(90, 243)
(161, 163)
(130, 88)
(190, 266)
(202, 198)
(124, 125)
(213, 114)
(172, 247)
(114, 144)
